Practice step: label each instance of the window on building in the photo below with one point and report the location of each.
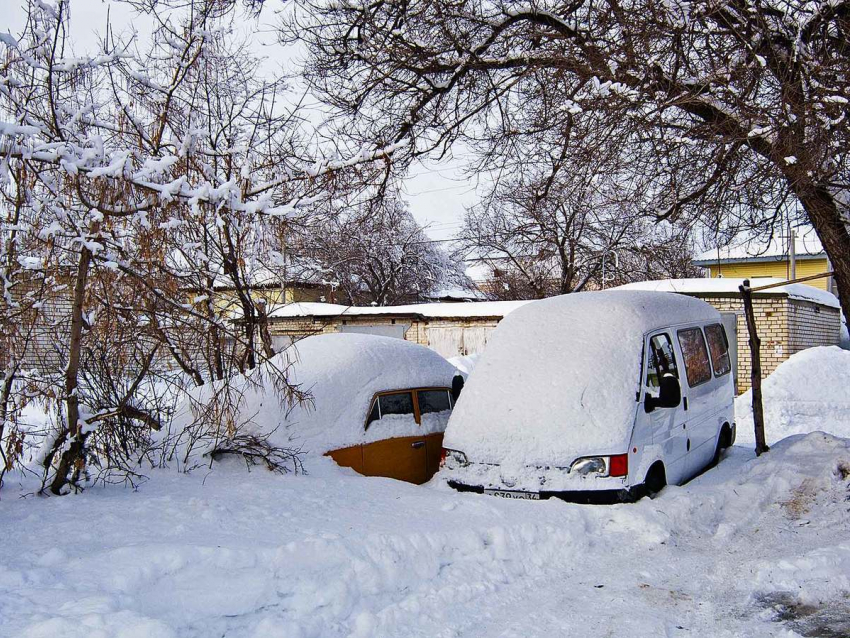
(695, 354)
(718, 346)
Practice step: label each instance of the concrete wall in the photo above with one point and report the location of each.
(449, 336)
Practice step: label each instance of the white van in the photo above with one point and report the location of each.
(594, 396)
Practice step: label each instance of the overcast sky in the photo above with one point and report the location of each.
(437, 193)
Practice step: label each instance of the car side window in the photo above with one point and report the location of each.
(695, 354)
(395, 403)
(433, 401)
(718, 346)
(661, 360)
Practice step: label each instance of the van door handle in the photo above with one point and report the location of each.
(417, 444)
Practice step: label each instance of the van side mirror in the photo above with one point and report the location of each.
(457, 386)
(669, 394)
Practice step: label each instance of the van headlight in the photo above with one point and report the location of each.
(452, 459)
(616, 465)
(597, 465)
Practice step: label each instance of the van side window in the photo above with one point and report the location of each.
(718, 346)
(697, 365)
(661, 360)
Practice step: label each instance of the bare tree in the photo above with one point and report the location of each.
(725, 112)
(132, 181)
(559, 228)
(379, 254)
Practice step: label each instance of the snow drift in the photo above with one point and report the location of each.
(330, 555)
(808, 392)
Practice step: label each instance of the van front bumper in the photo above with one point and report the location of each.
(584, 497)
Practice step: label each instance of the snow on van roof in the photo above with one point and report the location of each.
(428, 310)
(559, 377)
(342, 372)
(729, 285)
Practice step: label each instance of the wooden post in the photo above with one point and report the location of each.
(755, 368)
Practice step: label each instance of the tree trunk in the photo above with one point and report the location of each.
(72, 458)
(755, 368)
(833, 234)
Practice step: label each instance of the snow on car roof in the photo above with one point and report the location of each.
(342, 372)
(559, 377)
(428, 310)
(729, 285)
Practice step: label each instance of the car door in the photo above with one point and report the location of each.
(435, 408)
(701, 384)
(393, 452)
(665, 428)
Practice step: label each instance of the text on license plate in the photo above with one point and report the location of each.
(532, 496)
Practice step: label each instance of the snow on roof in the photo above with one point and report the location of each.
(729, 285)
(428, 310)
(342, 372)
(806, 245)
(559, 377)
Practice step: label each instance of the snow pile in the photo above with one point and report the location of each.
(559, 377)
(808, 392)
(335, 555)
(465, 363)
(341, 372)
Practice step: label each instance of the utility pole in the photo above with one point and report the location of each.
(755, 368)
(792, 252)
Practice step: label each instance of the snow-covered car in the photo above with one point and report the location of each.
(378, 405)
(594, 396)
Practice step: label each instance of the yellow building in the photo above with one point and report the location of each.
(753, 260)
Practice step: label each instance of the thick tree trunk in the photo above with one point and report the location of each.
(833, 234)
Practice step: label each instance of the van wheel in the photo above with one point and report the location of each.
(656, 480)
(724, 441)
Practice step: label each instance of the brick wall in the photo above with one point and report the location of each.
(812, 325)
(771, 313)
(784, 325)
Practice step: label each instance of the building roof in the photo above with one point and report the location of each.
(497, 309)
(729, 285)
(746, 249)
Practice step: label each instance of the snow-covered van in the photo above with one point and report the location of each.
(594, 396)
(378, 405)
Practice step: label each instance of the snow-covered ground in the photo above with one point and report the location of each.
(755, 547)
(228, 553)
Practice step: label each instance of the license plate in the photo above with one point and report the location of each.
(531, 496)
